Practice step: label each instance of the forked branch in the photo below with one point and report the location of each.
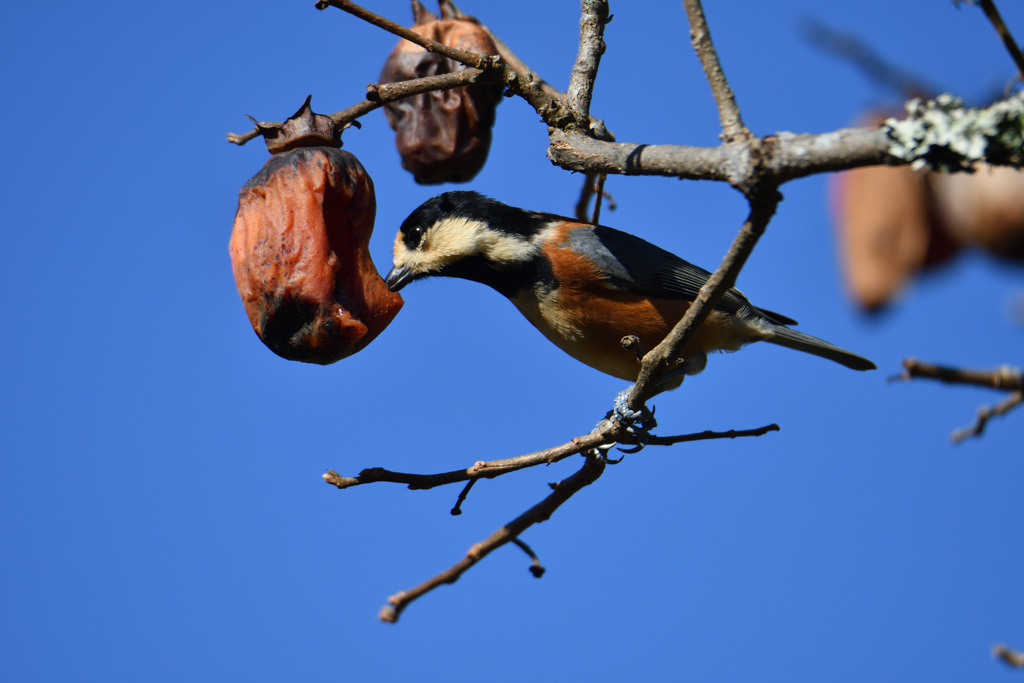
(1005, 378)
(592, 468)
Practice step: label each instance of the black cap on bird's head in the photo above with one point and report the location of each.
(450, 228)
(411, 236)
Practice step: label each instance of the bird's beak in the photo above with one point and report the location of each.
(399, 277)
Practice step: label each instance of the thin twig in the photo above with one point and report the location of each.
(457, 510)
(536, 568)
(378, 95)
(514, 61)
(505, 52)
(586, 192)
(593, 17)
(728, 110)
(599, 193)
(1012, 657)
(551, 109)
(482, 68)
(702, 436)
(605, 436)
(593, 187)
(474, 59)
(479, 470)
(989, 8)
(596, 127)
(985, 413)
(1004, 378)
(592, 468)
(522, 68)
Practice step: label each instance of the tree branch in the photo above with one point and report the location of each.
(939, 134)
(474, 59)
(606, 435)
(593, 187)
(1005, 378)
(733, 128)
(786, 156)
(478, 470)
(599, 195)
(593, 18)
(513, 60)
(592, 468)
(985, 413)
(519, 66)
(378, 95)
(664, 355)
(705, 435)
(550, 109)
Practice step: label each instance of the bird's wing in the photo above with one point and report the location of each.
(635, 265)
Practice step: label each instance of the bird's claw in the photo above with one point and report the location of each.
(631, 419)
(639, 423)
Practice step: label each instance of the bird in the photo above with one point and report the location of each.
(586, 286)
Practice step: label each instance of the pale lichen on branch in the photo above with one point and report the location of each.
(945, 136)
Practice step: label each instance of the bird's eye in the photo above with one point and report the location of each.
(414, 237)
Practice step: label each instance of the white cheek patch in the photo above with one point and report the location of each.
(400, 253)
(452, 239)
(502, 248)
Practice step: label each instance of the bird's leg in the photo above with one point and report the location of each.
(639, 423)
(621, 413)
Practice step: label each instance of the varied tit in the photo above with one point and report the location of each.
(586, 286)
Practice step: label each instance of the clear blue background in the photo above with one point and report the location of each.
(163, 515)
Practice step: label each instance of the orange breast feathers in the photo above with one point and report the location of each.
(587, 316)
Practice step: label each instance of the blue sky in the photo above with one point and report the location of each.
(163, 513)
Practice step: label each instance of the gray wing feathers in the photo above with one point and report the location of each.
(636, 265)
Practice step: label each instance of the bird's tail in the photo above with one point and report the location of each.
(791, 339)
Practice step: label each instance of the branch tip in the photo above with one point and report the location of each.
(457, 510)
(536, 568)
(733, 128)
(1010, 656)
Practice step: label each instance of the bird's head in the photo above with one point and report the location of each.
(458, 234)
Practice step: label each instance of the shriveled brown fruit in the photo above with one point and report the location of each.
(442, 136)
(886, 228)
(886, 231)
(299, 250)
(984, 208)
